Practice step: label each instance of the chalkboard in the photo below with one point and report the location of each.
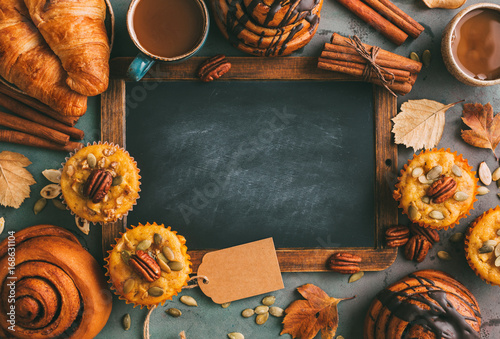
(230, 162)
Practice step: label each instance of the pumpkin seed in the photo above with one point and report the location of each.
(188, 300)
(498, 183)
(268, 300)
(412, 212)
(490, 243)
(163, 264)
(39, 205)
(498, 232)
(143, 245)
(435, 214)
(126, 322)
(70, 170)
(174, 312)
(426, 199)
(457, 237)
(496, 174)
(58, 204)
(498, 195)
(91, 160)
(168, 253)
(52, 175)
(417, 171)
(2, 224)
(443, 255)
(356, 276)
(414, 56)
(261, 309)
(426, 58)
(128, 285)
(50, 191)
(481, 190)
(276, 311)
(235, 335)
(156, 291)
(340, 337)
(434, 173)
(486, 249)
(117, 180)
(460, 196)
(456, 170)
(247, 313)
(225, 305)
(175, 265)
(497, 250)
(260, 319)
(423, 180)
(497, 262)
(158, 239)
(125, 256)
(82, 224)
(484, 173)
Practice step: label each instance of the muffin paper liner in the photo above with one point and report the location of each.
(400, 186)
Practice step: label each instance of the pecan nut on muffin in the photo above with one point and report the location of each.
(482, 246)
(426, 304)
(100, 183)
(148, 265)
(436, 189)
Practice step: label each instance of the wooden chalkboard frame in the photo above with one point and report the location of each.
(376, 258)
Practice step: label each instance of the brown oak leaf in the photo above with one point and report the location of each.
(15, 180)
(304, 318)
(485, 128)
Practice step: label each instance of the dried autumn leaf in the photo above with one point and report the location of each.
(420, 123)
(15, 180)
(304, 318)
(449, 4)
(485, 128)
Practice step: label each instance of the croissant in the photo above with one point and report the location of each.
(75, 31)
(27, 62)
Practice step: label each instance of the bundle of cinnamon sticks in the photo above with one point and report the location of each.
(341, 56)
(386, 18)
(35, 124)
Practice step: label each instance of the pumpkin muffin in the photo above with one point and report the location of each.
(100, 183)
(482, 246)
(436, 189)
(148, 265)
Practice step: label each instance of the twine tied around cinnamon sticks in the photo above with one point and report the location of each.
(371, 65)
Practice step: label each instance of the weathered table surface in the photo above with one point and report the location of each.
(210, 320)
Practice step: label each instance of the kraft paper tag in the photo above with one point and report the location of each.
(241, 271)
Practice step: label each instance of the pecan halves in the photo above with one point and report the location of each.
(397, 236)
(97, 185)
(429, 233)
(144, 265)
(417, 248)
(442, 189)
(213, 68)
(343, 262)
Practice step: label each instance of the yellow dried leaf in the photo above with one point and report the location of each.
(420, 123)
(15, 180)
(449, 4)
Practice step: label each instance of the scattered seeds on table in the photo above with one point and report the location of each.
(39, 205)
(276, 311)
(426, 58)
(235, 335)
(82, 224)
(225, 305)
(261, 309)
(457, 237)
(443, 255)
(414, 56)
(188, 300)
(260, 319)
(340, 337)
(58, 204)
(496, 174)
(356, 276)
(52, 175)
(481, 190)
(247, 313)
(174, 312)
(484, 173)
(50, 191)
(126, 321)
(268, 300)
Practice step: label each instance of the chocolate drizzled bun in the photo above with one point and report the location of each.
(426, 304)
(50, 286)
(268, 27)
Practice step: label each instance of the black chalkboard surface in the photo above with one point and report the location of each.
(230, 162)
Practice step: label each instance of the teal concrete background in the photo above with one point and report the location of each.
(210, 320)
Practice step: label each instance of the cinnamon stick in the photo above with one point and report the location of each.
(356, 69)
(27, 100)
(406, 23)
(33, 128)
(30, 114)
(30, 140)
(371, 17)
(384, 58)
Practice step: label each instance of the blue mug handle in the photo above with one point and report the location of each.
(139, 66)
